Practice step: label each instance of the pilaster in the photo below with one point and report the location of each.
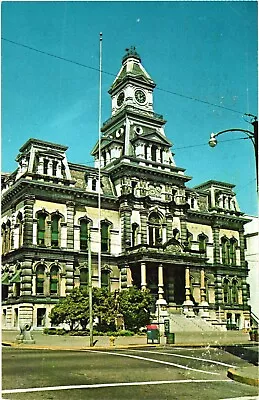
(28, 220)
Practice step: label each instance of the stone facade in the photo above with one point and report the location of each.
(184, 244)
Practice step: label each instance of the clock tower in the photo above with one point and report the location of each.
(133, 85)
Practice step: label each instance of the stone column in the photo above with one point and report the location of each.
(70, 224)
(123, 277)
(212, 197)
(160, 281)
(50, 169)
(218, 290)
(69, 277)
(183, 229)
(188, 304)
(129, 277)
(216, 247)
(40, 165)
(59, 169)
(244, 291)
(169, 227)
(143, 227)
(143, 276)
(242, 247)
(13, 231)
(26, 278)
(125, 214)
(28, 220)
(148, 152)
(203, 311)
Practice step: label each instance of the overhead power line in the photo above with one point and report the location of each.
(109, 73)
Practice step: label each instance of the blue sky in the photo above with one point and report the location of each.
(201, 50)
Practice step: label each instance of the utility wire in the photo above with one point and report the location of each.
(109, 73)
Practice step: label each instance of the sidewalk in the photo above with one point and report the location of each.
(248, 375)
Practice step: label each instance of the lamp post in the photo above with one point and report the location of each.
(252, 135)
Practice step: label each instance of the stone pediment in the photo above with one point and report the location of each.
(51, 153)
(173, 246)
(154, 137)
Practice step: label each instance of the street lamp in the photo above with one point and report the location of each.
(252, 135)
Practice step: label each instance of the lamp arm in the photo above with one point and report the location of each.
(250, 134)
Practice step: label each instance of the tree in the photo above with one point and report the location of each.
(104, 308)
(73, 309)
(135, 306)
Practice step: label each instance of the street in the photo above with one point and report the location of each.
(134, 374)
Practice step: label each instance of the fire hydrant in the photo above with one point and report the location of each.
(112, 340)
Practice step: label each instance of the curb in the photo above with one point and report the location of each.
(243, 375)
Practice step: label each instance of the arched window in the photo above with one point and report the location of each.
(189, 237)
(226, 291)
(232, 251)
(225, 250)
(54, 280)
(84, 231)
(154, 229)
(234, 292)
(202, 239)
(176, 233)
(105, 236)
(84, 277)
(105, 279)
(40, 278)
(135, 228)
(55, 230)
(19, 222)
(41, 226)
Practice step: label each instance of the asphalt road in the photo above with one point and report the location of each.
(150, 374)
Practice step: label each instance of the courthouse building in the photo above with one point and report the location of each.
(184, 244)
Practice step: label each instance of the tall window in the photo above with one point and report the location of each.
(202, 243)
(232, 251)
(3, 234)
(226, 293)
(54, 277)
(8, 237)
(20, 229)
(154, 229)
(40, 278)
(189, 237)
(93, 184)
(55, 230)
(84, 231)
(234, 292)
(54, 167)
(134, 231)
(84, 277)
(41, 223)
(105, 236)
(105, 279)
(153, 152)
(225, 251)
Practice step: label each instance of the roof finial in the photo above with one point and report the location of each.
(131, 52)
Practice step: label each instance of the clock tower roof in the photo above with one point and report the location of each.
(132, 70)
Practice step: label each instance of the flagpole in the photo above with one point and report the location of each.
(99, 166)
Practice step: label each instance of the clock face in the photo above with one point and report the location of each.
(140, 96)
(120, 99)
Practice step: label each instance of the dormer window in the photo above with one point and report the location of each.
(94, 184)
(54, 168)
(45, 166)
(153, 153)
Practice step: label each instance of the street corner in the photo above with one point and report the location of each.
(248, 375)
